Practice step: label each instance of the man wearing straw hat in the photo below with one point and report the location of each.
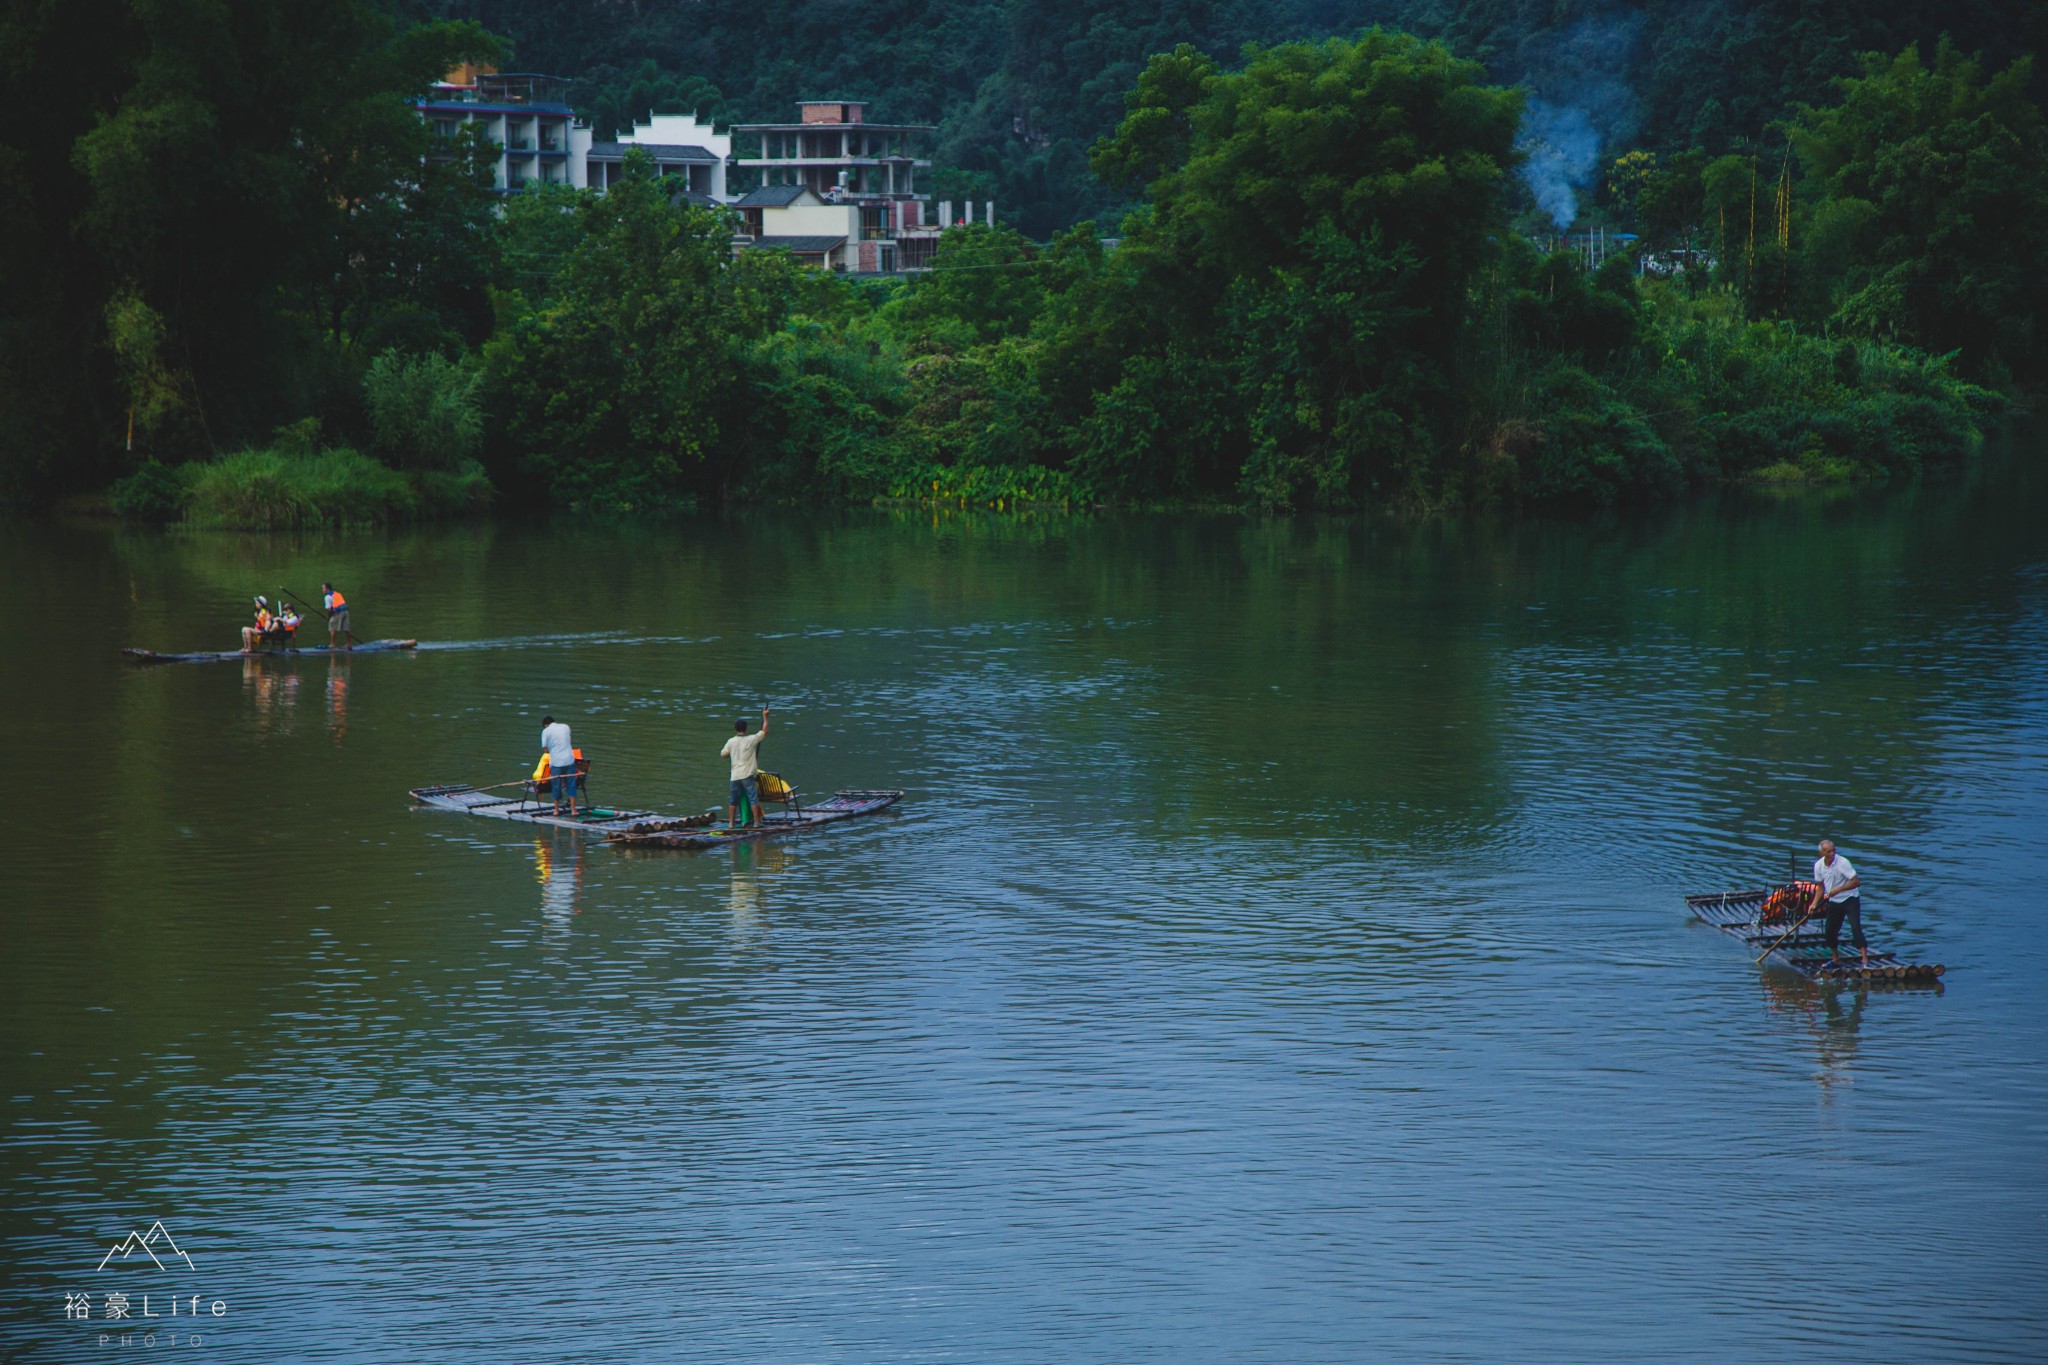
(1837, 881)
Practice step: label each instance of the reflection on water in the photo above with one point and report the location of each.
(1820, 1021)
(558, 867)
(273, 692)
(1279, 953)
(756, 868)
(337, 697)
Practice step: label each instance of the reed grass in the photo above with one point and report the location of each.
(274, 489)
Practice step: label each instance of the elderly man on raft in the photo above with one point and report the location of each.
(1835, 880)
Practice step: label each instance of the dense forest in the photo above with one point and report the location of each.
(1260, 254)
(1022, 89)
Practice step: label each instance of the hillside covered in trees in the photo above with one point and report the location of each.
(1309, 273)
(1022, 89)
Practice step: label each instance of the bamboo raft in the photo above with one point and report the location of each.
(221, 656)
(1739, 915)
(651, 829)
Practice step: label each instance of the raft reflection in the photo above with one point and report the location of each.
(558, 867)
(1820, 1017)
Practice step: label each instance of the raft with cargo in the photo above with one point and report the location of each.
(651, 829)
(1766, 920)
(221, 656)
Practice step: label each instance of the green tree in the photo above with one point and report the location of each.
(217, 170)
(424, 411)
(1317, 220)
(1928, 194)
(626, 390)
(984, 278)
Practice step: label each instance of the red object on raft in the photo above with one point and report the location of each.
(1788, 900)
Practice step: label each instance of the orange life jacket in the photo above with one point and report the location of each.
(336, 602)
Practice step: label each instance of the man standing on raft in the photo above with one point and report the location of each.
(336, 607)
(561, 751)
(743, 750)
(1837, 881)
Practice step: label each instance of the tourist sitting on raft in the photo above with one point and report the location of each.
(277, 628)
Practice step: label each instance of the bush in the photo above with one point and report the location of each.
(156, 492)
(1595, 445)
(273, 490)
(998, 486)
(1775, 403)
(424, 412)
(455, 492)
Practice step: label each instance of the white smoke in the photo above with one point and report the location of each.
(1561, 151)
(1580, 104)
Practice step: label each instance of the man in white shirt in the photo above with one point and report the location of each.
(743, 750)
(554, 737)
(1843, 890)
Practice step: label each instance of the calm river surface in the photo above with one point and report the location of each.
(1279, 954)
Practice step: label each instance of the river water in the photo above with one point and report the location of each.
(1279, 954)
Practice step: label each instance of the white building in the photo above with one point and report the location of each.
(680, 146)
(839, 192)
(540, 139)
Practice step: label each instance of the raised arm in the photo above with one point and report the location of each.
(764, 722)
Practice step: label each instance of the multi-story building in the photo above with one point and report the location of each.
(844, 162)
(540, 140)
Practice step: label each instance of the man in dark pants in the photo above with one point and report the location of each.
(1843, 890)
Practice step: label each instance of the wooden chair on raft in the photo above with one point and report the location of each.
(539, 789)
(776, 791)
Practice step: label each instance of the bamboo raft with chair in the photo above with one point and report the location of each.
(221, 656)
(652, 829)
(1768, 922)
(279, 641)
